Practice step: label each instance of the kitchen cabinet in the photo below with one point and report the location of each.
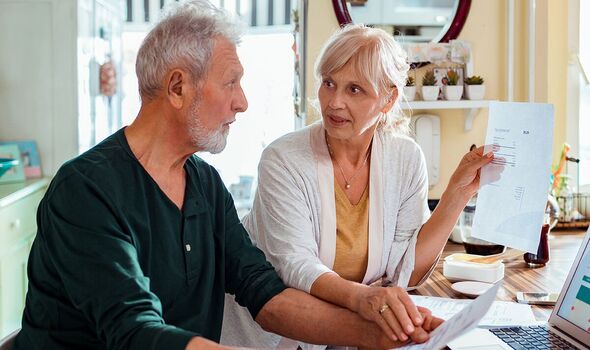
(52, 51)
(18, 210)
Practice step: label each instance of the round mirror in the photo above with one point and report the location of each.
(408, 20)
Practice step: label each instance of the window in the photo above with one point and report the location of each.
(268, 83)
(584, 97)
(267, 56)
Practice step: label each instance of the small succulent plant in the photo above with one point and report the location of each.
(452, 78)
(410, 81)
(474, 80)
(429, 79)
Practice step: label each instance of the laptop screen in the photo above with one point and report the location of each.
(575, 306)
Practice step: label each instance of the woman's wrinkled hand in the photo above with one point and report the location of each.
(391, 309)
(421, 334)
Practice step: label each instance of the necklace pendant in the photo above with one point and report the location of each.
(347, 186)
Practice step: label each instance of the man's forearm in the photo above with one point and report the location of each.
(298, 315)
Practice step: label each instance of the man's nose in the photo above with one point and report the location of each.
(240, 102)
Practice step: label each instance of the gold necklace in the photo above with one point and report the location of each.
(348, 182)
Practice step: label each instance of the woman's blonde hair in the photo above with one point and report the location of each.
(376, 57)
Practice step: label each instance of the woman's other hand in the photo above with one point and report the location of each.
(420, 335)
(389, 307)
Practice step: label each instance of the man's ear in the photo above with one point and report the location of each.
(390, 101)
(176, 87)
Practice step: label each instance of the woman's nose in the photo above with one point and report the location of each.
(336, 101)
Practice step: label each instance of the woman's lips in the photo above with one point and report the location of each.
(337, 121)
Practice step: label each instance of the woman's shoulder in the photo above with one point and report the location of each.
(294, 145)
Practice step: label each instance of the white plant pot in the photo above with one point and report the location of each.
(452, 92)
(475, 92)
(410, 92)
(430, 93)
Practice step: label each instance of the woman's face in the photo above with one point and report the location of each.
(350, 107)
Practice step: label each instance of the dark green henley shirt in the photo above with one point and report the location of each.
(116, 265)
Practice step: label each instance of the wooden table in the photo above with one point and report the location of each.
(563, 245)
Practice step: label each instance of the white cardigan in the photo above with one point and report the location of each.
(294, 217)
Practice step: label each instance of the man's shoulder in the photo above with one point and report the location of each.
(106, 163)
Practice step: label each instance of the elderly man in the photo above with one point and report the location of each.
(138, 239)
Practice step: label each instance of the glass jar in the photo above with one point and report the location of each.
(542, 256)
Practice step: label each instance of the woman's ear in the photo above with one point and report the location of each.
(390, 101)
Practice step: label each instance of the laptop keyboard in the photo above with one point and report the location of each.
(535, 337)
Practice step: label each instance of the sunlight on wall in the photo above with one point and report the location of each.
(268, 84)
(584, 96)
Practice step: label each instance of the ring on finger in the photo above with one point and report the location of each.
(383, 308)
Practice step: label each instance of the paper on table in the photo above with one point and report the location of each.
(500, 314)
(509, 210)
(462, 322)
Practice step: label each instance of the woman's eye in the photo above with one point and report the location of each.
(355, 89)
(328, 83)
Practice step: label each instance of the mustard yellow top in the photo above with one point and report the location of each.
(352, 236)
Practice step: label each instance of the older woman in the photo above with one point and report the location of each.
(342, 203)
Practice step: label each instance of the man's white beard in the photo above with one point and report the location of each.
(212, 141)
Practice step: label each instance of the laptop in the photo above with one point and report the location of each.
(568, 326)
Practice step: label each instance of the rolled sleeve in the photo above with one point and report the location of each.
(251, 278)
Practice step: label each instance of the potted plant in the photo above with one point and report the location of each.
(410, 89)
(474, 88)
(452, 91)
(429, 88)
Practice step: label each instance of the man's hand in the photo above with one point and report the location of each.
(389, 307)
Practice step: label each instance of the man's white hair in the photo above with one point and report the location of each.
(183, 38)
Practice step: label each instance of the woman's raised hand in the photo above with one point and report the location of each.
(465, 179)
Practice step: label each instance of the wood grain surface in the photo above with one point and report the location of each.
(518, 277)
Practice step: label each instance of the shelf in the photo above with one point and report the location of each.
(471, 107)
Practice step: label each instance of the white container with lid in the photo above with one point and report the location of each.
(456, 267)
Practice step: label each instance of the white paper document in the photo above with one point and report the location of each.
(500, 314)
(513, 192)
(462, 322)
